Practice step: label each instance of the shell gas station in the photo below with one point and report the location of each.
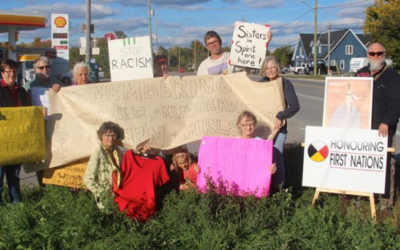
(12, 24)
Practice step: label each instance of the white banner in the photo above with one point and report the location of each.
(345, 159)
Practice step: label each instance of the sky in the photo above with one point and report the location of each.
(177, 22)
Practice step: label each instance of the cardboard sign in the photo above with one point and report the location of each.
(22, 136)
(348, 102)
(249, 44)
(243, 164)
(345, 159)
(171, 112)
(70, 175)
(130, 58)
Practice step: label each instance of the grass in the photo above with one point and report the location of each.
(57, 218)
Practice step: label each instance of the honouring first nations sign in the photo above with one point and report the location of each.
(345, 159)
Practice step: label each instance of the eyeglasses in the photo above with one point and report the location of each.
(213, 43)
(250, 125)
(42, 67)
(373, 54)
(8, 72)
(270, 69)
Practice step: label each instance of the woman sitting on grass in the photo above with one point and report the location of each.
(103, 169)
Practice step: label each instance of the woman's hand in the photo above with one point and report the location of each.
(278, 124)
(272, 168)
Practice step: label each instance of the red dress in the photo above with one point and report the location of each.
(140, 176)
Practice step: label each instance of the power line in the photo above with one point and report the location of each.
(294, 19)
(340, 5)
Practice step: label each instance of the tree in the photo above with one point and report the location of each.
(283, 55)
(383, 24)
(120, 34)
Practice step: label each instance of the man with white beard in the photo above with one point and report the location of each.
(385, 107)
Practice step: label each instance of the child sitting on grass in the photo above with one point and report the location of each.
(187, 171)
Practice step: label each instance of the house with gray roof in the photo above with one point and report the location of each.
(344, 45)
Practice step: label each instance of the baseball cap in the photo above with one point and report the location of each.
(160, 58)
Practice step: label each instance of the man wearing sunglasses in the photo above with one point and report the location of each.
(43, 77)
(385, 106)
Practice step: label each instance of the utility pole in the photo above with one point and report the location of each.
(150, 33)
(329, 48)
(156, 35)
(179, 57)
(88, 40)
(315, 37)
(194, 58)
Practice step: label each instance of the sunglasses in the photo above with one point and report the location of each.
(42, 67)
(379, 53)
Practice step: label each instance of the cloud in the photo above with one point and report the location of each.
(357, 12)
(263, 3)
(155, 2)
(74, 10)
(127, 26)
(230, 1)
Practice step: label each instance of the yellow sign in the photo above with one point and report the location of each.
(22, 137)
(70, 175)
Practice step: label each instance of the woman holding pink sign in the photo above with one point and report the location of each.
(247, 123)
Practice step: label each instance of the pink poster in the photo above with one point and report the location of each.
(242, 164)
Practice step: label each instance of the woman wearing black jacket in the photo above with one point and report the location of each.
(269, 71)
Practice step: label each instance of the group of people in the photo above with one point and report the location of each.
(128, 176)
(14, 95)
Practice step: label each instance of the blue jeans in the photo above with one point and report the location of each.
(279, 177)
(12, 175)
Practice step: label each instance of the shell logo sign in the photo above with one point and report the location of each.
(60, 22)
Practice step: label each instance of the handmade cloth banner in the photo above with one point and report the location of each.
(170, 112)
(242, 165)
(70, 175)
(21, 135)
(345, 159)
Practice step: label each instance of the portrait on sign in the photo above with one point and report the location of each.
(348, 102)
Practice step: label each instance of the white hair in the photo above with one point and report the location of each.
(78, 66)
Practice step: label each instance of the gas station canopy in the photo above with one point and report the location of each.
(21, 22)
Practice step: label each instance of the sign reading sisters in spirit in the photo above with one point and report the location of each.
(171, 112)
(243, 165)
(130, 58)
(348, 102)
(345, 159)
(21, 135)
(249, 44)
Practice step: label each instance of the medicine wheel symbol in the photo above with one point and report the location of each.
(318, 151)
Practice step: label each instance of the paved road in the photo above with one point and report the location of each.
(311, 97)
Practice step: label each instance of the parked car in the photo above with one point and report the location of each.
(322, 69)
(285, 70)
(181, 70)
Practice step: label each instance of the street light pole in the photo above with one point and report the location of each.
(88, 40)
(150, 33)
(315, 37)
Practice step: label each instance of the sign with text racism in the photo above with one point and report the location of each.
(39, 97)
(130, 58)
(243, 164)
(249, 44)
(22, 136)
(345, 159)
(171, 112)
(348, 102)
(70, 175)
